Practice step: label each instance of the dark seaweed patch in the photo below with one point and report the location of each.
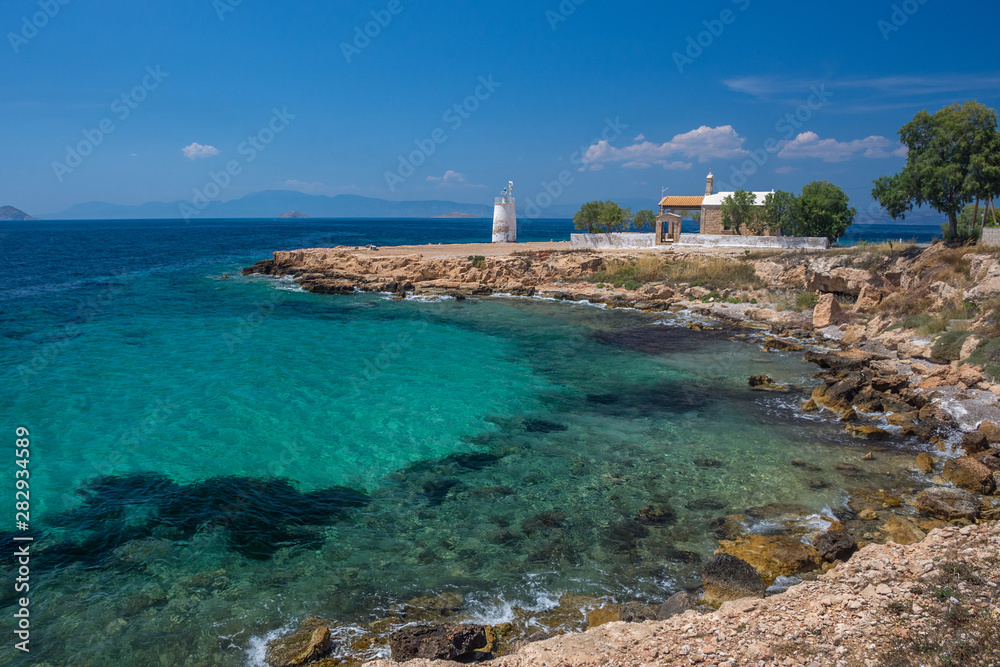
(257, 516)
(659, 339)
(542, 426)
(436, 490)
(473, 461)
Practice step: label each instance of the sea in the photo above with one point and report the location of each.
(212, 460)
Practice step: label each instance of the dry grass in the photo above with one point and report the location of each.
(718, 272)
(646, 269)
(713, 272)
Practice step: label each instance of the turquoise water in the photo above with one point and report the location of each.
(213, 460)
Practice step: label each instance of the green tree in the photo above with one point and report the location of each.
(781, 213)
(644, 221)
(588, 217)
(602, 217)
(739, 211)
(969, 225)
(954, 157)
(824, 210)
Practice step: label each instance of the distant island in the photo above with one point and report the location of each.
(293, 214)
(457, 215)
(11, 213)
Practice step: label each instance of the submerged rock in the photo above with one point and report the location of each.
(805, 465)
(727, 577)
(703, 462)
(657, 515)
(867, 432)
(542, 426)
(311, 642)
(543, 522)
(455, 643)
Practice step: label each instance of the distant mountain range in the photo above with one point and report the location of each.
(272, 203)
(11, 213)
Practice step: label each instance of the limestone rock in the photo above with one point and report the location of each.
(456, 643)
(311, 642)
(637, 612)
(727, 577)
(925, 463)
(991, 431)
(676, 604)
(773, 556)
(969, 474)
(835, 545)
(867, 432)
(827, 312)
(854, 334)
(969, 346)
(948, 504)
(974, 443)
(610, 613)
(869, 297)
(902, 530)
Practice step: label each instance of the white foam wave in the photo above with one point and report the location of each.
(258, 646)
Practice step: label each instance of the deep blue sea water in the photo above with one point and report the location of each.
(213, 460)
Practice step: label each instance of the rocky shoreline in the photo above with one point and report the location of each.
(893, 332)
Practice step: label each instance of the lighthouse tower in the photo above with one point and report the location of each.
(505, 217)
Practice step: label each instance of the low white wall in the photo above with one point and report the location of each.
(736, 241)
(618, 240)
(990, 237)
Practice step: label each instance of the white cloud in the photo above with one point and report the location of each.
(809, 145)
(453, 179)
(703, 144)
(785, 170)
(196, 150)
(641, 137)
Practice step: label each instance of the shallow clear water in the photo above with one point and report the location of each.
(213, 460)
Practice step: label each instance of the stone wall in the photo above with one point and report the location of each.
(736, 241)
(711, 222)
(990, 237)
(606, 241)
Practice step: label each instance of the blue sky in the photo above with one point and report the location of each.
(593, 99)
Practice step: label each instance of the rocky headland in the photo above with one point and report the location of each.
(906, 343)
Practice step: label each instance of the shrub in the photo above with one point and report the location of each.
(948, 346)
(987, 355)
(806, 300)
(478, 261)
(632, 285)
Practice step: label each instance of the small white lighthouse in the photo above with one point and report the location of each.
(505, 217)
